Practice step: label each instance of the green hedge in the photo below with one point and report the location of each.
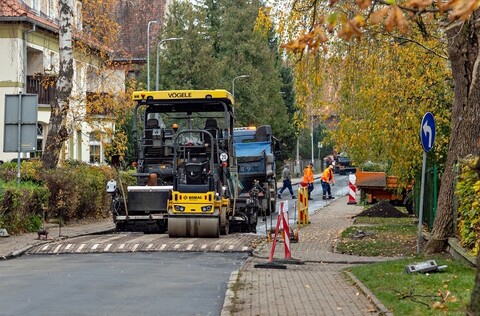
(21, 206)
(71, 192)
(468, 194)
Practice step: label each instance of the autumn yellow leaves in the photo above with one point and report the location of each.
(347, 22)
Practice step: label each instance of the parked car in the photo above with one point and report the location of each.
(343, 165)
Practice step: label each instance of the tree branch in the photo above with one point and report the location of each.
(421, 45)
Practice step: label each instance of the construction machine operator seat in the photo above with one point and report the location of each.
(211, 126)
(263, 133)
(150, 125)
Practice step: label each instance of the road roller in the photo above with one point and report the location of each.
(186, 168)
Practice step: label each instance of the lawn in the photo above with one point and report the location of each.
(446, 292)
(373, 236)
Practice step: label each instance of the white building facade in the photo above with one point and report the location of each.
(29, 59)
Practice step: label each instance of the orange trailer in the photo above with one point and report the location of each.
(377, 186)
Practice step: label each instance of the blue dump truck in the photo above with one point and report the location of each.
(256, 169)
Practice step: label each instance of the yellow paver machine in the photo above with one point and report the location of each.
(186, 166)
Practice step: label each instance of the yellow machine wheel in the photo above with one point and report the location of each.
(224, 222)
(193, 226)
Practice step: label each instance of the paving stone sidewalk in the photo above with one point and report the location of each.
(317, 287)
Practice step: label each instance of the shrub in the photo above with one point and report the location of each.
(71, 192)
(30, 171)
(468, 194)
(21, 206)
(78, 191)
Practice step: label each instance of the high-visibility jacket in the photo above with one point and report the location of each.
(308, 174)
(327, 175)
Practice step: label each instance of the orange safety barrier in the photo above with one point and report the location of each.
(282, 224)
(282, 220)
(303, 206)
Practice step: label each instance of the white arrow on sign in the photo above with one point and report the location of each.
(427, 130)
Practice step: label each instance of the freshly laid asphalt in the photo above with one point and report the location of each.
(313, 282)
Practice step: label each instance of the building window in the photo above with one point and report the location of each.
(40, 141)
(95, 146)
(94, 154)
(36, 5)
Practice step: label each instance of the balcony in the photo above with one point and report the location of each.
(42, 85)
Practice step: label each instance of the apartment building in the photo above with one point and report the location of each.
(29, 55)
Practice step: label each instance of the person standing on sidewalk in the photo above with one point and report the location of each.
(287, 182)
(327, 180)
(308, 179)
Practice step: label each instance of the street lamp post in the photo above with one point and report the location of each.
(320, 146)
(148, 52)
(233, 83)
(311, 136)
(158, 50)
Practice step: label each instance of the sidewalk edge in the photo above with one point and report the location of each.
(382, 309)
(229, 301)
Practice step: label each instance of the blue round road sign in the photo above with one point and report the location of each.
(427, 131)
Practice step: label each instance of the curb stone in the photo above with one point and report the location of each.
(382, 309)
(229, 301)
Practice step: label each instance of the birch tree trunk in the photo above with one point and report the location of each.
(57, 132)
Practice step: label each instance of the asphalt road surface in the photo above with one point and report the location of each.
(339, 189)
(157, 283)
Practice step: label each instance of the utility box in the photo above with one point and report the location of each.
(424, 267)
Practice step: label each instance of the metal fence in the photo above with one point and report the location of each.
(430, 197)
(296, 170)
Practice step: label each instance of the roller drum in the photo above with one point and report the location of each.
(193, 226)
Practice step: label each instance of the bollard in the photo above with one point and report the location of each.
(303, 206)
(352, 189)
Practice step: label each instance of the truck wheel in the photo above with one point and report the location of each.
(409, 203)
(120, 227)
(226, 229)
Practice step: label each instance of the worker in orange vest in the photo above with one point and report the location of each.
(327, 180)
(308, 179)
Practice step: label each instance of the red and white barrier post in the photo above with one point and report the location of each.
(282, 221)
(352, 189)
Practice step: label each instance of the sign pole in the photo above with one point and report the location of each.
(420, 211)
(427, 136)
(19, 135)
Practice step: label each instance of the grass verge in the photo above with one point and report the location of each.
(438, 293)
(374, 236)
(447, 292)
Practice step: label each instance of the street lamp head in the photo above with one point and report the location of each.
(233, 82)
(168, 40)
